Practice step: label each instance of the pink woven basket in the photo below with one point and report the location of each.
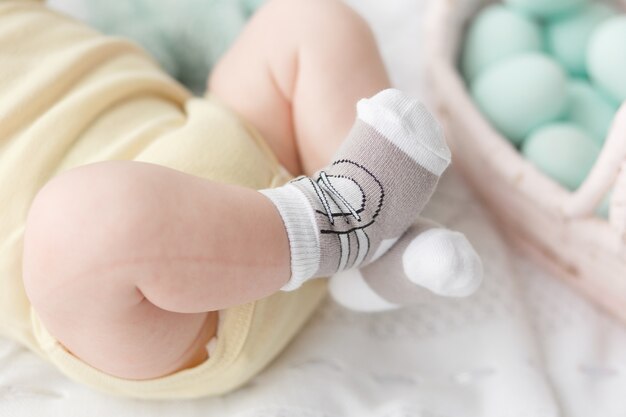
(555, 226)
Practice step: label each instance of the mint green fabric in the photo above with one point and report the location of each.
(186, 37)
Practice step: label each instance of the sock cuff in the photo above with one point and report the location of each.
(407, 123)
(299, 220)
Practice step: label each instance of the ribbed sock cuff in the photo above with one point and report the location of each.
(407, 123)
(299, 220)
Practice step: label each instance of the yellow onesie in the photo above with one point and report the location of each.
(70, 96)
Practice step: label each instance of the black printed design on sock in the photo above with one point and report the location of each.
(358, 249)
(323, 197)
(340, 253)
(381, 197)
(357, 219)
(362, 250)
(367, 250)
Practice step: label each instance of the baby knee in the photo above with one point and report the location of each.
(76, 222)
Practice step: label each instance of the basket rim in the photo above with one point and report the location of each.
(451, 96)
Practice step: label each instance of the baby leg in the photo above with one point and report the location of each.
(296, 73)
(123, 260)
(124, 276)
(300, 91)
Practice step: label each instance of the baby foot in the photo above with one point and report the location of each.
(428, 261)
(351, 212)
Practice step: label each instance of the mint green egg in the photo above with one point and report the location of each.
(563, 151)
(546, 8)
(606, 57)
(486, 45)
(567, 37)
(591, 110)
(521, 93)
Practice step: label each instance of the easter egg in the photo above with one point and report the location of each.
(486, 45)
(563, 151)
(590, 110)
(546, 8)
(567, 37)
(606, 57)
(521, 93)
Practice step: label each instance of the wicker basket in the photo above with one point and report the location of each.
(557, 227)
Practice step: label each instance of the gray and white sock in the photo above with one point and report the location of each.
(354, 210)
(429, 261)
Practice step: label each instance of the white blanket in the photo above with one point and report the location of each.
(524, 346)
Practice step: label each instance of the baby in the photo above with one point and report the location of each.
(136, 252)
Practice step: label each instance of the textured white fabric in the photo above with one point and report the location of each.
(385, 245)
(349, 289)
(443, 261)
(299, 220)
(401, 119)
(524, 346)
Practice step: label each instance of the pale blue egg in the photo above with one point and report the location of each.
(590, 110)
(546, 8)
(522, 93)
(567, 37)
(485, 44)
(606, 57)
(563, 151)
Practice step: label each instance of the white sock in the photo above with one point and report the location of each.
(427, 262)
